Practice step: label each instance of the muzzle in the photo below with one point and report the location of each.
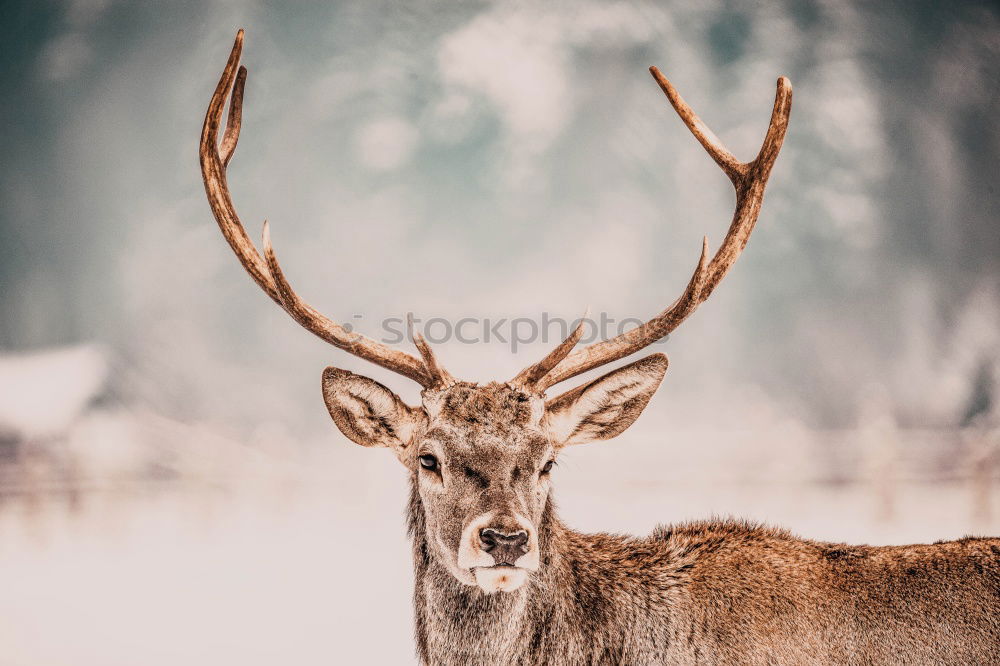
(499, 551)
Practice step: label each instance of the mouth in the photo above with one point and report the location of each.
(500, 578)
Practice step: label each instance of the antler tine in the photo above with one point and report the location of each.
(750, 188)
(530, 375)
(268, 274)
(438, 375)
(235, 119)
(749, 179)
(706, 137)
(214, 174)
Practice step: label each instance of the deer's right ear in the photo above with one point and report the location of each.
(368, 413)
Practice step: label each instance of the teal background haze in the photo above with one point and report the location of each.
(487, 160)
(171, 487)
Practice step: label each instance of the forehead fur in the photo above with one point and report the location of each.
(496, 407)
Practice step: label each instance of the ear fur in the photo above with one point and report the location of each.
(368, 413)
(605, 407)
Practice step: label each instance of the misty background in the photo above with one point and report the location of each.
(171, 486)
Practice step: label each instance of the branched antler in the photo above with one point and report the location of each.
(749, 179)
(215, 156)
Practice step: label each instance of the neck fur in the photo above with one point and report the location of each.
(458, 623)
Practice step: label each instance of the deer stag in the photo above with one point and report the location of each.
(500, 580)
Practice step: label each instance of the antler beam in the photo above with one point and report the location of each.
(215, 156)
(749, 179)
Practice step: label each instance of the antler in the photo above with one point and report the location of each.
(749, 179)
(268, 275)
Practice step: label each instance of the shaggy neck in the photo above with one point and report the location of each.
(458, 623)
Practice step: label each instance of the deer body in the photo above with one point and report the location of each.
(499, 580)
(717, 593)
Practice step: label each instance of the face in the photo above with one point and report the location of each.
(482, 456)
(482, 468)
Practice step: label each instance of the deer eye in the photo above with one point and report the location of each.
(548, 466)
(428, 462)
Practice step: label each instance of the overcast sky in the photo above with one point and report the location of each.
(509, 160)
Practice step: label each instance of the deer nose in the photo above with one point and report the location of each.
(505, 547)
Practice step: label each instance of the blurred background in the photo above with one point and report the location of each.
(171, 487)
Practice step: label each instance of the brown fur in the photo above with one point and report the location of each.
(719, 592)
(715, 592)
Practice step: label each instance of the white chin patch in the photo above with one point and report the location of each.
(500, 579)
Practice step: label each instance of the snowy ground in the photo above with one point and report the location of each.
(310, 565)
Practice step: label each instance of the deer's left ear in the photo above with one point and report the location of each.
(368, 413)
(606, 406)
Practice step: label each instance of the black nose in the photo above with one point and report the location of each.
(505, 547)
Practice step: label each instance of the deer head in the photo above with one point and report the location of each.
(480, 456)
